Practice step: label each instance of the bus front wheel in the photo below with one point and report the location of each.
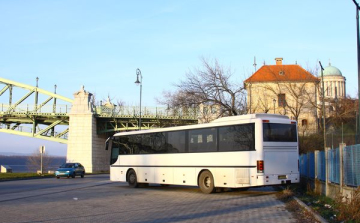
(132, 179)
(206, 182)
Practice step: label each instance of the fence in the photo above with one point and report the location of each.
(313, 165)
(351, 159)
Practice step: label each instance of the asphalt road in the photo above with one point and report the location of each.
(96, 199)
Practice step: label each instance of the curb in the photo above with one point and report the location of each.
(26, 178)
(316, 215)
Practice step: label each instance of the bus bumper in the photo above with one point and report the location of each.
(278, 179)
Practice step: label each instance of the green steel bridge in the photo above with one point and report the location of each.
(37, 113)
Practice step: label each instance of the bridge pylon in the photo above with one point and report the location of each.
(84, 144)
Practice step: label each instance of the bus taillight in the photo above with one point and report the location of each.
(266, 121)
(260, 166)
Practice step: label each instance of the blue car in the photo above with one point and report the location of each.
(70, 170)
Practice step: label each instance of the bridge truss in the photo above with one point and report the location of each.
(39, 119)
(46, 119)
(115, 119)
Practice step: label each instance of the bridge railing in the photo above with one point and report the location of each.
(113, 111)
(26, 108)
(145, 111)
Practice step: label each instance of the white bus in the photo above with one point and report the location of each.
(232, 152)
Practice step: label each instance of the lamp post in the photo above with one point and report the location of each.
(358, 62)
(323, 103)
(274, 101)
(36, 94)
(137, 82)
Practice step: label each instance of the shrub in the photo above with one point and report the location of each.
(286, 194)
(349, 208)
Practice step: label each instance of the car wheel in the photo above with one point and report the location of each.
(206, 182)
(68, 176)
(73, 175)
(132, 179)
(57, 177)
(83, 174)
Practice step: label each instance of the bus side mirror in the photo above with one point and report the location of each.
(108, 143)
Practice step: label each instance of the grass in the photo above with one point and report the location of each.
(323, 205)
(17, 176)
(339, 210)
(301, 214)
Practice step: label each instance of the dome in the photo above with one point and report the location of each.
(331, 71)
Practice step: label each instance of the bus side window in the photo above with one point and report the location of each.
(237, 138)
(202, 140)
(176, 142)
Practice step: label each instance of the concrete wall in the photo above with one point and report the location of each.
(333, 190)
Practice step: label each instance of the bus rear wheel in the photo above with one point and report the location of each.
(132, 179)
(206, 182)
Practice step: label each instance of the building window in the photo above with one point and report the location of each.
(304, 122)
(281, 100)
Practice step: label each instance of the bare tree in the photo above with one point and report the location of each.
(208, 86)
(263, 103)
(343, 111)
(33, 161)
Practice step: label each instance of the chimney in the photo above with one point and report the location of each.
(278, 61)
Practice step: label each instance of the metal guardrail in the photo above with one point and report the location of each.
(103, 111)
(32, 108)
(134, 111)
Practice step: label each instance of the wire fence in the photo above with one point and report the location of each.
(313, 165)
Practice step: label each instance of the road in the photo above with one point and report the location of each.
(96, 199)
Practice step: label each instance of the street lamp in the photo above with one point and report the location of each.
(274, 101)
(323, 103)
(358, 61)
(137, 82)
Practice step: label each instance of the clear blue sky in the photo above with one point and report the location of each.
(99, 44)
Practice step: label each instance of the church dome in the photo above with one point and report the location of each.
(331, 71)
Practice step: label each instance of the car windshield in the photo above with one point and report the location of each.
(67, 165)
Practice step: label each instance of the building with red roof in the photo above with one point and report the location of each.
(285, 89)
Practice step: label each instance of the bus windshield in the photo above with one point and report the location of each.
(274, 132)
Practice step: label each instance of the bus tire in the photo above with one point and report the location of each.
(132, 179)
(206, 182)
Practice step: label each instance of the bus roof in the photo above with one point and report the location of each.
(250, 116)
(218, 122)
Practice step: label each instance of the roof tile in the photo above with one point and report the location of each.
(272, 73)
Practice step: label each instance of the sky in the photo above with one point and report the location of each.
(100, 44)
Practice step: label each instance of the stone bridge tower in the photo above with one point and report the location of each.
(84, 144)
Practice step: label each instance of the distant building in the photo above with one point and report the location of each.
(290, 90)
(334, 83)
